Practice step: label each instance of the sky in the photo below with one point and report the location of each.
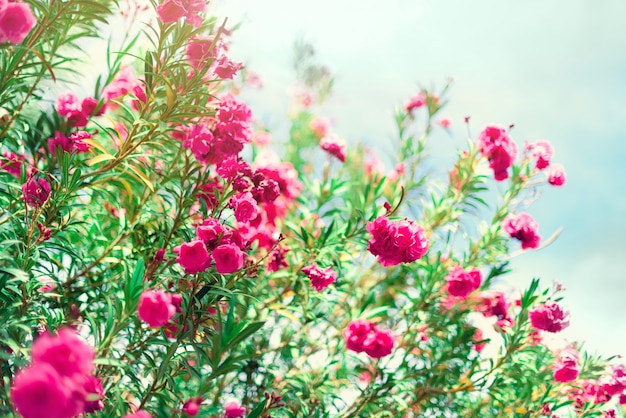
(557, 70)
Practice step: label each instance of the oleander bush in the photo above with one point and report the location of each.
(161, 254)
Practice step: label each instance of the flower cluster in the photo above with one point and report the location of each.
(76, 112)
(364, 336)
(72, 143)
(214, 242)
(495, 144)
(221, 138)
(58, 383)
(16, 21)
(395, 242)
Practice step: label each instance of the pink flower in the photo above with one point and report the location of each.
(522, 227)
(36, 192)
(172, 10)
(192, 406)
(549, 317)
(364, 336)
(225, 68)
(138, 414)
(566, 369)
(65, 351)
(495, 304)
(334, 146)
(233, 409)
(245, 207)
(463, 282)
(356, 333)
(13, 163)
(211, 231)
(93, 387)
(40, 391)
(16, 21)
(201, 51)
(156, 308)
(122, 84)
(193, 256)
(379, 343)
(556, 175)
(320, 126)
(445, 123)
(543, 152)
(320, 278)
(415, 102)
(395, 242)
(228, 258)
(495, 144)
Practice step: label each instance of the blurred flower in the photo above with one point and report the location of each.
(320, 278)
(16, 21)
(522, 227)
(556, 175)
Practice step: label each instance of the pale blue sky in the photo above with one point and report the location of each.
(555, 69)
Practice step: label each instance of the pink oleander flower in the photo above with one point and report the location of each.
(445, 123)
(210, 232)
(156, 308)
(40, 391)
(36, 191)
(549, 317)
(364, 336)
(193, 256)
(225, 68)
(320, 126)
(524, 228)
(395, 242)
(356, 333)
(138, 414)
(556, 175)
(415, 102)
(76, 112)
(233, 409)
(379, 343)
(65, 351)
(543, 152)
(172, 10)
(192, 406)
(244, 206)
(122, 84)
(201, 51)
(320, 278)
(566, 369)
(12, 164)
(228, 258)
(16, 21)
(495, 304)
(93, 387)
(495, 144)
(334, 146)
(460, 283)
(59, 140)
